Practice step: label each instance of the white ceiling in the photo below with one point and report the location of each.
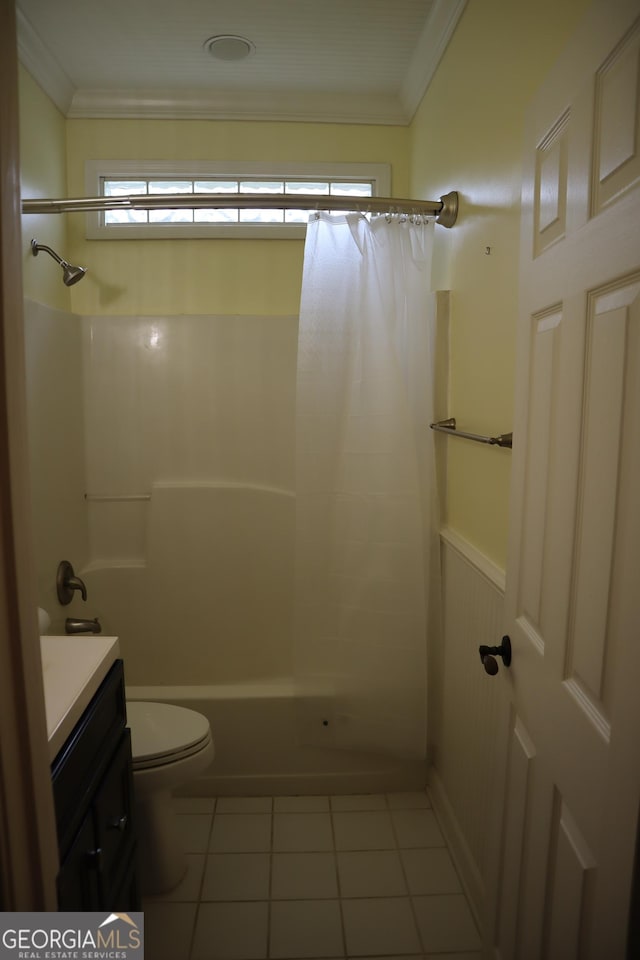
(356, 61)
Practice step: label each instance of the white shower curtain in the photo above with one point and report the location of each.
(365, 483)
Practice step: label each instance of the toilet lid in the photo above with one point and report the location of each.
(164, 730)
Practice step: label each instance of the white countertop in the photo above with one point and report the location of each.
(73, 667)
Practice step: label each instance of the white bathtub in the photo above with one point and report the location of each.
(257, 731)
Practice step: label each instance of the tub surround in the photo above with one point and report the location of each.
(270, 738)
(73, 668)
(189, 479)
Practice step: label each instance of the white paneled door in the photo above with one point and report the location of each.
(572, 786)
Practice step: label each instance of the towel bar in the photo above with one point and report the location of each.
(449, 426)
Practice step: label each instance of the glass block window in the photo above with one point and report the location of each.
(356, 180)
(115, 188)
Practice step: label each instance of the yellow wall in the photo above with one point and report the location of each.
(53, 359)
(43, 174)
(207, 276)
(467, 135)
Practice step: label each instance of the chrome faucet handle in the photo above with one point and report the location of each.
(67, 582)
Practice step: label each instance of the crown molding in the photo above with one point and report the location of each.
(36, 57)
(237, 105)
(430, 49)
(245, 105)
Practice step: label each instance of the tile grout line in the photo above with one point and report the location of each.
(406, 880)
(337, 874)
(270, 882)
(387, 808)
(382, 896)
(196, 916)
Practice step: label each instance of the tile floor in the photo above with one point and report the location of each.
(312, 877)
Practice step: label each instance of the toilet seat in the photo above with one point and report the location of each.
(162, 733)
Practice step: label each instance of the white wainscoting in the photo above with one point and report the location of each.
(466, 768)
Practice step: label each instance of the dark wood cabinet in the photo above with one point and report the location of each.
(93, 793)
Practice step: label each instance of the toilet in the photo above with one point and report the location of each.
(170, 746)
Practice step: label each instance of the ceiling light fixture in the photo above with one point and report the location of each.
(229, 47)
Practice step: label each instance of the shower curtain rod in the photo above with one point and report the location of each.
(445, 210)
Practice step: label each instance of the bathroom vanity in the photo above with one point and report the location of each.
(90, 752)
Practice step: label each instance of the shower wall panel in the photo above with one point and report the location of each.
(188, 398)
(53, 353)
(190, 475)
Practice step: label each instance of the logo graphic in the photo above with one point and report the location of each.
(71, 936)
(119, 916)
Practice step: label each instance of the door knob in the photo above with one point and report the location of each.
(488, 656)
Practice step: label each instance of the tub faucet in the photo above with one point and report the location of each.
(72, 625)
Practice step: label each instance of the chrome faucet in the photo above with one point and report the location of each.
(71, 625)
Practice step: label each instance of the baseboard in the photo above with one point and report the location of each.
(411, 776)
(460, 852)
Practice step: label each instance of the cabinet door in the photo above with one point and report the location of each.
(82, 761)
(113, 806)
(127, 897)
(78, 879)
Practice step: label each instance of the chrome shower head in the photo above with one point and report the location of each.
(70, 274)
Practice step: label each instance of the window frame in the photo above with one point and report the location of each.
(96, 171)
